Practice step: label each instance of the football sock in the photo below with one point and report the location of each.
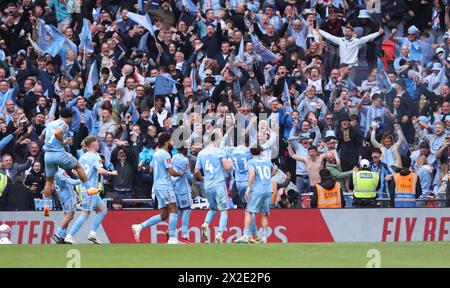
(98, 219)
(210, 216)
(223, 221)
(185, 223)
(78, 223)
(151, 221)
(253, 227)
(173, 219)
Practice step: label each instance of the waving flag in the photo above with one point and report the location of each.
(287, 98)
(68, 45)
(143, 20)
(190, 6)
(261, 50)
(134, 112)
(86, 38)
(232, 4)
(50, 39)
(141, 6)
(143, 42)
(91, 81)
(241, 50)
(437, 82)
(154, 5)
(270, 74)
(164, 84)
(193, 79)
(336, 3)
(382, 78)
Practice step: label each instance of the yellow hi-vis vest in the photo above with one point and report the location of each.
(3, 183)
(365, 184)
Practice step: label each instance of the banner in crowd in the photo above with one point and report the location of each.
(286, 226)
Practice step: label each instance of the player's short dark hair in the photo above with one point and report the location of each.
(256, 150)
(66, 113)
(163, 138)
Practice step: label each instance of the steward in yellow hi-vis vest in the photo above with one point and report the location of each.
(365, 185)
(3, 183)
(4, 180)
(328, 192)
(407, 187)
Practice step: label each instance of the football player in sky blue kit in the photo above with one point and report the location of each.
(182, 190)
(240, 156)
(213, 161)
(163, 187)
(258, 193)
(68, 199)
(92, 164)
(55, 156)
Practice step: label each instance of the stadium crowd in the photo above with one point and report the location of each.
(320, 84)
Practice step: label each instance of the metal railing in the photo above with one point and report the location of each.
(441, 199)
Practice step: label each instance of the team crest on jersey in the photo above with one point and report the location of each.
(168, 161)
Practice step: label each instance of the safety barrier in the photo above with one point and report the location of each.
(285, 225)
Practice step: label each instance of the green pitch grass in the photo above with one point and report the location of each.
(229, 255)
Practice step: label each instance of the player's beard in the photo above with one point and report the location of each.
(170, 147)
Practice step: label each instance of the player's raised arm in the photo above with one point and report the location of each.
(251, 181)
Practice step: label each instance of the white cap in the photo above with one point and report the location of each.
(364, 163)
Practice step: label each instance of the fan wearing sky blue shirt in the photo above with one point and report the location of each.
(258, 193)
(92, 164)
(163, 187)
(213, 161)
(55, 156)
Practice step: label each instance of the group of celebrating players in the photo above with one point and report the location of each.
(171, 185)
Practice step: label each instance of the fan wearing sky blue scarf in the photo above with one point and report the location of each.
(416, 46)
